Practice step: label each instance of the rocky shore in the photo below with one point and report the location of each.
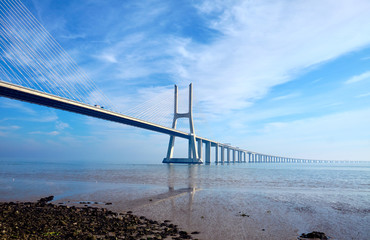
(44, 220)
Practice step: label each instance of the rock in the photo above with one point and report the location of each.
(314, 235)
(45, 200)
(53, 221)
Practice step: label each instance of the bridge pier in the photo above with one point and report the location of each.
(200, 149)
(193, 155)
(228, 155)
(222, 154)
(216, 153)
(208, 152)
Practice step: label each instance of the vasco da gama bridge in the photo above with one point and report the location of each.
(35, 68)
(223, 152)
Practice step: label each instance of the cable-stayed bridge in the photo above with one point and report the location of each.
(35, 68)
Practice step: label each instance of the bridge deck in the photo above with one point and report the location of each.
(33, 96)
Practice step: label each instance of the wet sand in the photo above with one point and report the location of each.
(228, 214)
(220, 202)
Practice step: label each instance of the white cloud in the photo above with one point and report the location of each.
(268, 43)
(288, 96)
(52, 133)
(109, 57)
(358, 78)
(61, 125)
(13, 104)
(363, 95)
(340, 136)
(12, 127)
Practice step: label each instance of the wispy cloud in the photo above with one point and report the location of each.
(363, 95)
(74, 36)
(61, 125)
(288, 96)
(264, 44)
(12, 127)
(12, 104)
(52, 133)
(253, 47)
(358, 78)
(318, 137)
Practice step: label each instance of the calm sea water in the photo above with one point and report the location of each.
(333, 197)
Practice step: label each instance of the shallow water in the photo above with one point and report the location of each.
(231, 201)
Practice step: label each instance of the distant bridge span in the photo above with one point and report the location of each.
(237, 155)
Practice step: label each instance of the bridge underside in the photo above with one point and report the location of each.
(182, 160)
(33, 96)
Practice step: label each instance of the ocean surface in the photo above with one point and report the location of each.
(230, 201)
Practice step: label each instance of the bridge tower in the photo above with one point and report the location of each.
(193, 156)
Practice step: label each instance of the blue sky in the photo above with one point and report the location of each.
(287, 78)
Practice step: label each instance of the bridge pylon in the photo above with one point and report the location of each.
(193, 156)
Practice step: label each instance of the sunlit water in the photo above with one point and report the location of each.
(235, 201)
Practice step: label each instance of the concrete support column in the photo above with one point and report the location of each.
(222, 154)
(208, 152)
(245, 156)
(228, 155)
(200, 148)
(216, 153)
(233, 155)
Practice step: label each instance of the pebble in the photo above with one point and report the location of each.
(63, 222)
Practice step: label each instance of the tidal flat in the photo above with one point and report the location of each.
(235, 201)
